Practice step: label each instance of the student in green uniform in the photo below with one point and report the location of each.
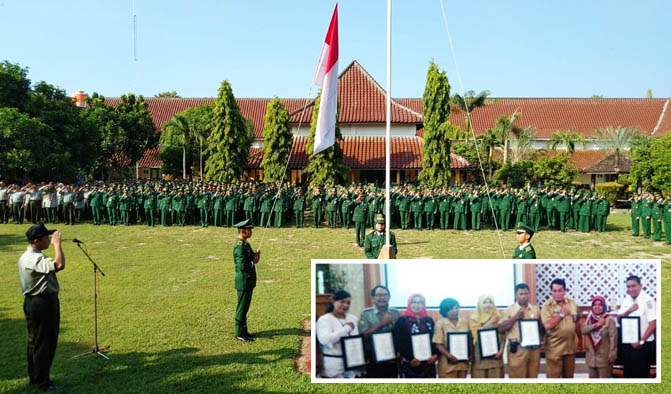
(476, 210)
(635, 214)
(430, 209)
(646, 214)
(444, 209)
(602, 211)
(299, 207)
(359, 218)
(667, 221)
(376, 239)
(657, 216)
(524, 250)
(404, 209)
(149, 206)
(317, 207)
(245, 260)
(416, 208)
(585, 211)
(332, 208)
(346, 209)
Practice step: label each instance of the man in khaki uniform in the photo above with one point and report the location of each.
(448, 367)
(379, 317)
(559, 316)
(522, 363)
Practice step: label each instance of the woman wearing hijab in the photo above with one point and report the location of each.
(414, 320)
(448, 367)
(486, 316)
(602, 335)
(336, 323)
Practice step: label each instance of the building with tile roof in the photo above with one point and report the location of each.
(362, 124)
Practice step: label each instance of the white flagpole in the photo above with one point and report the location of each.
(387, 141)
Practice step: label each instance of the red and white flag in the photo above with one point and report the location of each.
(326, 76)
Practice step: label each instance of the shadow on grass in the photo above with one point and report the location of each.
(13, 240)
(169, 371)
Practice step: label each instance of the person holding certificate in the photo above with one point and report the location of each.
(335, 324)
(524, 353)
(454, 354)
(638, 342)
(488, 344)
(417, 355)
(559, 315)
(377, 319)
(602, 345)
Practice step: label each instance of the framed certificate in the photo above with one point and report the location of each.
(457, 345)
(421, 346)
(631, 329)
(352, 351)
(489, 342)
(530, 333)
(383, 346)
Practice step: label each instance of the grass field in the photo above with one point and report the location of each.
(168, 303)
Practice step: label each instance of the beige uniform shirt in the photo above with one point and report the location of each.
(443, 326)
(532, 312)
(37, 273)
(607, 348)
(560, 340)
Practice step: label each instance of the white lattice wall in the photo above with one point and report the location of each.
(585, 280)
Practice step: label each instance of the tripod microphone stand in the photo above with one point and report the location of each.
(96, 269)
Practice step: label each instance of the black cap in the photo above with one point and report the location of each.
(38, 231)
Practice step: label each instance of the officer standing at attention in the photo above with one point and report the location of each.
(39, 285)
(524, 250)
(376, 239)
(245, 278)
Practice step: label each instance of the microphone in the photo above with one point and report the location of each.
(75, 240)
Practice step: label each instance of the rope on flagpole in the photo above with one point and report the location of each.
(468, 116)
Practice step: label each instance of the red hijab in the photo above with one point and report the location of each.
(408, 311)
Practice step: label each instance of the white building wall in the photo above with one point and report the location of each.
(364, 130)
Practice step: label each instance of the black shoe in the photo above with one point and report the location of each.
(244, 339)
(250, 336)
(51, 387)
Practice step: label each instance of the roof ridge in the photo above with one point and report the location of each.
(661, 117)
(377, 86)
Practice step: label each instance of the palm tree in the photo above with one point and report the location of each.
(522, 143)
(490, 141)
(505, 128)
(178, 131)
(469, 103)
(616, 138)
(568, 139)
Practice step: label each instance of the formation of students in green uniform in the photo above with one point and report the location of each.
(467, 207)
(649, 215)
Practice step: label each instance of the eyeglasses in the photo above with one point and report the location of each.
(381, 295)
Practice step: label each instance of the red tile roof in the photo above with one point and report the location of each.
(581, 158)
(150, 159)
(550, 114)
(366, 153)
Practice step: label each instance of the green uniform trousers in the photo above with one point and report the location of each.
(244, 301)
(149, 214)
(657, 230)
(645, 223)
(43, 315)
(667, 231)
(298, 214)
(634, 226)
(360, 229)
(405, 219)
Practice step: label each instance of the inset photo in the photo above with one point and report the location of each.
(477, 320)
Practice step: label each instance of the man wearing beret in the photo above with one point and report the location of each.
(37, 274)
(524, 250)
(245, 278)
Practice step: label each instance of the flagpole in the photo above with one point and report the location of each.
(387, 141)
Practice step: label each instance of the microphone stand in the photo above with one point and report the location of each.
(96, 348)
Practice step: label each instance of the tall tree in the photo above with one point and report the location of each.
(616, 138)
(25, 144)
(327, 166)
(558, 170)
(14, 86)
(437, 129)
(201, 125)
(172, 94)
(277, 140)
(177, 131)
(468, 104)
(228, 143)
(568, 139)
(127, 131)
(505, 128)
(521, 145)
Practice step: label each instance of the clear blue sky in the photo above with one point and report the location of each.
(525, 48)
